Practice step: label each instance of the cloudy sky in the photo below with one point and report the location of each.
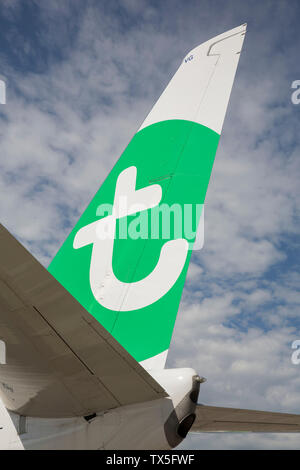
(81, 77)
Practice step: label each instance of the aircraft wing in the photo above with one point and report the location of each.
(218, 419)
(56, 360)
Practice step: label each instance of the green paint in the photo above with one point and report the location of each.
(177, 155)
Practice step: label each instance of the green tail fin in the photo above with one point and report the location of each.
(122, 261)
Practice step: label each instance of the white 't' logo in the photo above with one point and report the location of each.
(107, 289)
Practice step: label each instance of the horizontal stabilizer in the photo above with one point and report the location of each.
(217, 419)
(56, 360)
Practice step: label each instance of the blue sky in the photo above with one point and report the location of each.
(81, 77)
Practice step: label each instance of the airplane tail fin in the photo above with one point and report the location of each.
(126, 259)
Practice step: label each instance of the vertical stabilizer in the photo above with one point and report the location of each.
(132, 283)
